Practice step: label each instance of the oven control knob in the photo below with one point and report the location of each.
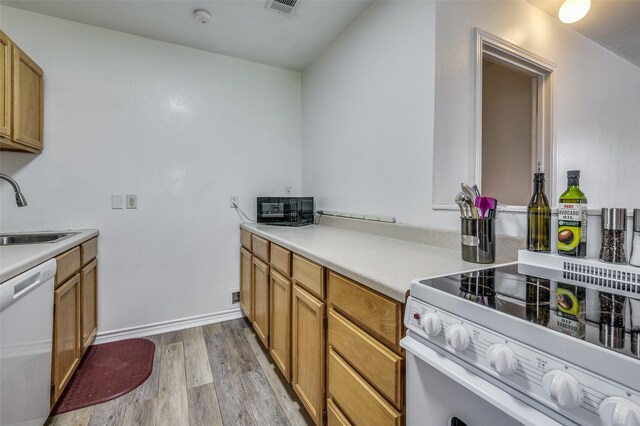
(502, 359)
(457, 337)
(562, 388)
(431, 324)
(616, 411)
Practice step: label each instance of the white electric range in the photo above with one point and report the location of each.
(544, 341)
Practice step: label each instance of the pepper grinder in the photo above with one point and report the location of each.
(614, 226)
(635, 241)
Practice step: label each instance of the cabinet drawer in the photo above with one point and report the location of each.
(357, 399)
(281, 259)
(245, 239)
(89, 250)
(309, 275)
(67, 264)
(260, 247)
(377, 314)
(335, 416)
(379, 365)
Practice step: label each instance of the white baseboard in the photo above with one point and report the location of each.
(166, 326)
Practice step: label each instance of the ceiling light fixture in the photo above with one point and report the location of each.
(202, 16)
(573, 10)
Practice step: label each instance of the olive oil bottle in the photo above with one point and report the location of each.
(539, 217)
(572, 218)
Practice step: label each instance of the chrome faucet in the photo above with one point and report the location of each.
(20, 200)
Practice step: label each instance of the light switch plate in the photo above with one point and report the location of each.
(117, 202)
(132, 201)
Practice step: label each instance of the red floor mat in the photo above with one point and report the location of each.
(106, 372)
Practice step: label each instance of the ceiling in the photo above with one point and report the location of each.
(615, 24)
(240, 28)
(246, 29)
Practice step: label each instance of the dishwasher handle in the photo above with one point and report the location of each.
(16, 288)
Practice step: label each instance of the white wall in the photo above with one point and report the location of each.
(181, 128)
(596, 100)
(368, 110)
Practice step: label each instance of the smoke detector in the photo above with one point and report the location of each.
(282, 6)
(202, 16)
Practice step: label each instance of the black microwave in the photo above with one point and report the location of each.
(287, 211)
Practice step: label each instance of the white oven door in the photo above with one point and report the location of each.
(442, 393)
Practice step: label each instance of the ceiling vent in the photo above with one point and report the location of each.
(282, 6)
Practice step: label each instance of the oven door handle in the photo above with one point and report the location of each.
(497, 397)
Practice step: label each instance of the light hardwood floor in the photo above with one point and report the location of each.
(217, 374)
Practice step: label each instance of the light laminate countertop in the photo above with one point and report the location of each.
(15, 259)
(387, 265)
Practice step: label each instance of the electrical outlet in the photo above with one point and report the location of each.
(235, 297)
(234, 201)
(132, 201)
(287, 190)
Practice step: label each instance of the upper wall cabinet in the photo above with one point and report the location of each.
(21, 99)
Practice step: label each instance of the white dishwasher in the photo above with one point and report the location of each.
(26, 328)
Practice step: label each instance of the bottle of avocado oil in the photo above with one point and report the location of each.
(539, 217)
(572, 218)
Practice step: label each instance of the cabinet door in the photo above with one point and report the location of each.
(5, 85)
(261, 300)
(308, 351)
(89, 303)
(280, 323)
(28, 91)
(246, 284)
(66, 334)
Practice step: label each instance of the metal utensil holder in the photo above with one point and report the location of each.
(478, 240)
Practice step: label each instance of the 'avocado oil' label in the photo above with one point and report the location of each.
(570, 310)
(572, 228)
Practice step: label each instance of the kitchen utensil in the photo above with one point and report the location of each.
(476, 190)
(469, 192)
(461, 203)
(484, 204)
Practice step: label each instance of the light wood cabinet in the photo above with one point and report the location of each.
(309, 275)
(335, 416)
(280, 323)
(357, 399)
(5, 85)
(281, 260)
(75, 312)
(335, 340)
(67, 348)
(379, 315)
(246, 283)
(89, 303)
(374, 361)
(22, 99)
(261, 300)
(308, 348)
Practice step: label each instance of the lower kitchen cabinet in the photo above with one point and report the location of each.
(89, 298)
(260, 273)
(67, 349)
(75, 312)
(335, 340)
(246, 283)
(357, 399)
(308, 348)
(280, 323)
(335, 416)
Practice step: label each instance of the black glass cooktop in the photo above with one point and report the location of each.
(602, 312)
